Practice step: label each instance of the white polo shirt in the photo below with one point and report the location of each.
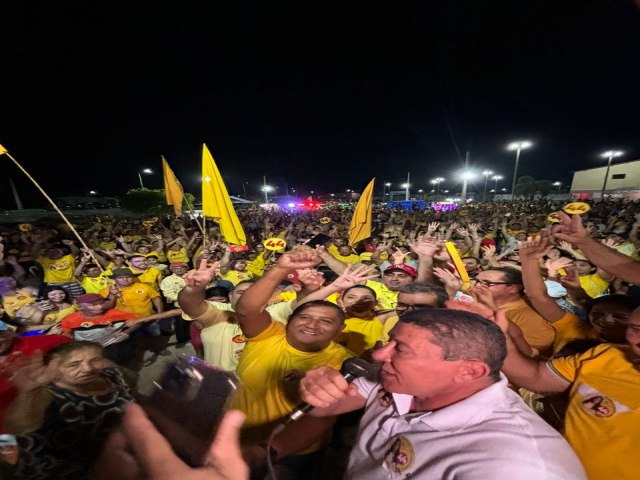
(489, 435)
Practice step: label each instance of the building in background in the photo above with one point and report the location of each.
(623, 182)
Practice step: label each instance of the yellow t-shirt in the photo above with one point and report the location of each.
(602, 423)
(536, 330)
(151, 276)
(135, 299)
(177, 255)
(14, 302)
(387, 300)
(235, 277)
(256, 266)
(388, 325)
(55, 317)
(569, 328)
(94, 284)
(58, 271)
(594, 285)
(270, 371)
(348, 259)
(360, 335)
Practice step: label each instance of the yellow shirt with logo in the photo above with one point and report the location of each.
(387, 300)
(151, 276)
(270, 371)
(235, 277)
(360, 335)
(58, 271)
(177, 255)
(602, 423)
(95, 284)
(14, 302)
(55, 317)
(256, 266)
(135, 298)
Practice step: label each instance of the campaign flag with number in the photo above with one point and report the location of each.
(172, 188)
(216, 202)
(360, 227)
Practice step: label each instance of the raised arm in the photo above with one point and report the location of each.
(252, 317)
(573, 231)
(330, 261)
(191, 298)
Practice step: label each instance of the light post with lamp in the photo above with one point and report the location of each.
(436, 181)
(610, 155)
(266, 189)
(148, 171)
(486, 174)
(496, 178)
(517, 146)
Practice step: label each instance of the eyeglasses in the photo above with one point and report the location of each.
(403, 307)
(491, 284)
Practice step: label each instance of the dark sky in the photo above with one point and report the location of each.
(321, 95)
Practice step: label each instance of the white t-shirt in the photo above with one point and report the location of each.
(489, 435)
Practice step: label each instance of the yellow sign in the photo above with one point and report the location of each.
(274, 243)
(325, 220)
(553, 217)
(577, 208)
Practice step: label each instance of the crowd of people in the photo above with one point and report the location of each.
(529, 368)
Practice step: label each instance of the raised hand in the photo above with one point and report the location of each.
(482, 294)
(30, 373)
(310, 278)
(432, 227)
(570, 229)
(489, 251)
(452, 281)
(463, 232)
(426, 246)
(298, 259)
(398, 256)
(557, 264)
(609, 242)
(201, 277)
(349, 278)
(534, 248)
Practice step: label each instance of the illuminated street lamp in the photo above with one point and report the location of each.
(557, 184)
(266, 189)
(610, 155)
(517, 146)
(466, 176)
(147, 171)
(437, 181)
(486, 174)
(496, 178)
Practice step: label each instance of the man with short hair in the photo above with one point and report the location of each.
(441, 408)
(505, 285)
(139, 265)
(131, 296)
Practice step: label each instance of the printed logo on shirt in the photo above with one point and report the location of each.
(63, 265)
(597, 404)
(400, 456)
(239, 339)
(140, 291)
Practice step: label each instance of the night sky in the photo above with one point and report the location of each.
(320, 95)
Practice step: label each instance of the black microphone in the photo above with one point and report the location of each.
(351, 369)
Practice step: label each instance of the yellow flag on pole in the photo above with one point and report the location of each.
(172, 188)
(2, 150)
(360, 227)
(216, 202)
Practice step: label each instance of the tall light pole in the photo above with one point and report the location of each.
(610, 155)
(557, 184)
(436, 181)
(466, 176)
(496, 178)
(266, 189)
(406, 187)
(486, 174)
(517, 146)
(384, 190)
(148, 171)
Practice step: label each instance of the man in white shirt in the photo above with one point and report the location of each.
(442, 409)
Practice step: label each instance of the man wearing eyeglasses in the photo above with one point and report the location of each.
(503, 287)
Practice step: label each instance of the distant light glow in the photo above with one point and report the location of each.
(521, 145)
(267, 188)
(147, 170)
(486, 173)
(405, 185)
(467, 175)
(206, 179)
(291, 204)
(497, 177)
(612, 154)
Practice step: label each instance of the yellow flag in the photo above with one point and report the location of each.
(2, 150)
(360, 227)
(172, 188)
(216, 202)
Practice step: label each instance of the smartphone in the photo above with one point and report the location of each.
(238, 248)
(186, 404)
(319, 239)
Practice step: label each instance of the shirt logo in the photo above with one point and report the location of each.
(239, 339)
(400, 456)
(385, 399)
(597, 404)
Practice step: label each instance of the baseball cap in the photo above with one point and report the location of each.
(89, 298)
(404, 267)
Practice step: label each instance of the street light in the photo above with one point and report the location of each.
(495, 178)
(436, 181)
(148, 171)
(517, 146)
(557, 184)
(92, 192)
(466, 176)
(610, 155)
(486, 174)
(266, 189)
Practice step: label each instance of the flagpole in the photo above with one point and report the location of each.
(55, 207)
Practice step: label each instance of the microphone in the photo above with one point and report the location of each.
(351, 369)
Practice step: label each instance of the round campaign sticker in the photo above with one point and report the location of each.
(325, 220)
(274, 243)
(577, 208)
(553, 217)
(25, 227)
